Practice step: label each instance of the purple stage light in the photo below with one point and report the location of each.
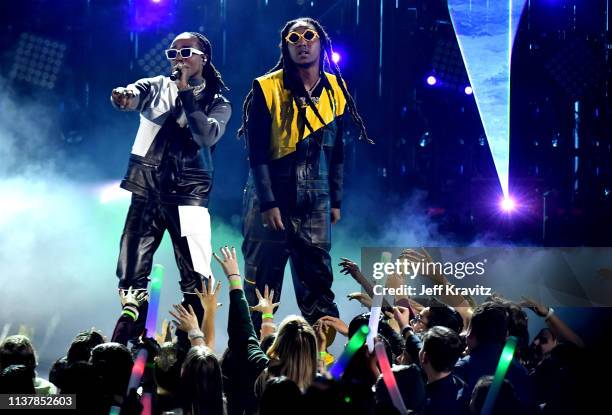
(508, 204)
(150, 14)
(335, 57)
(431, 80)
(468, 90)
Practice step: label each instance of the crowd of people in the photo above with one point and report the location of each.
(443, 359)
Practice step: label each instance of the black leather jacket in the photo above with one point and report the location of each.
(172, 155)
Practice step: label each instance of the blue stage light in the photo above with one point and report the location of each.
(424, 140)
(468, 90)
(555, 141)
(335, 57)
(431, 80)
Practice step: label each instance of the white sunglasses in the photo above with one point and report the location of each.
(185, 53)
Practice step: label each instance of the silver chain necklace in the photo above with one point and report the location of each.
(313, 87)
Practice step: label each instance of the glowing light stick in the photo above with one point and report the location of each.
(389, 378)
(505, 359)
(157, 277)
(137, 370)
(147, 403)
(375, 310)
(135, 377)
(353, 345)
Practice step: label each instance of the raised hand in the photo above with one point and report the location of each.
(134, 297)
(166, 333)
(364, 299)
(228, 261)
(415, 256)
(320, 331)
(534, 306)
(348, 267)
(402, 316)
(336, 323)
(208, 296)
(184, 320)
(266, 302)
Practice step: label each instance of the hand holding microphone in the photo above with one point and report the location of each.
(180, 76)
(176, 72)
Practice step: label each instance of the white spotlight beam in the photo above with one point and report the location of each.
(485, 30)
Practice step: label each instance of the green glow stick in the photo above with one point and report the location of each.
(353, 345)
(505, 359)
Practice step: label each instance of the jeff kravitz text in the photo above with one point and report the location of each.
(436, 290)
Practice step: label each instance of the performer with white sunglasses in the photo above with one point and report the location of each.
(170, 172)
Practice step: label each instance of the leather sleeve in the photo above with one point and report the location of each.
(206, 129)
(259, 123)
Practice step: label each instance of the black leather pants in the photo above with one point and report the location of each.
(305, 242)
(145, 224)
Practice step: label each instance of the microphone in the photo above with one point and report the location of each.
(176, 74)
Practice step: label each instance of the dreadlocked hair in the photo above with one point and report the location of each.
(297, 87)
(214, 81)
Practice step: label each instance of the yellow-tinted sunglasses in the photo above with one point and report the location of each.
(309, 35)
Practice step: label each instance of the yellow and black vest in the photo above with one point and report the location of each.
(288, 127)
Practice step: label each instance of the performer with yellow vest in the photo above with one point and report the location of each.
(293, 121)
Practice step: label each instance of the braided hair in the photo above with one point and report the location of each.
(297, 87)
(214, 81)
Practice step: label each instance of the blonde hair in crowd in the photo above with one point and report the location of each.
(294, 352)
